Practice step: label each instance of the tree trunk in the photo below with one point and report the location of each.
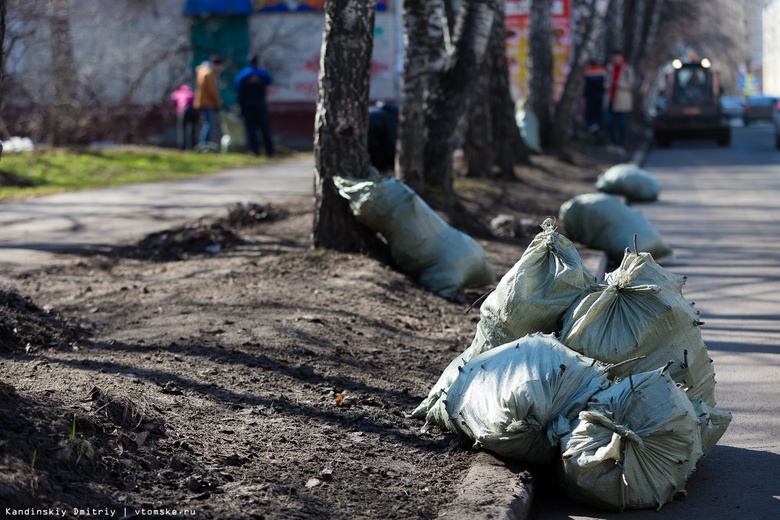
(478, 140)
(450, 95)
(423, 49)
(341, 122)
(509, 149)
(561, 132)
(615, 36)
(540, 56)
(493, 143)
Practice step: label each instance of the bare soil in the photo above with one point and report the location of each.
(224, 369)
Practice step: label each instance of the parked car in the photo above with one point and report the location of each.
(759, 108)
(776, 120)
(732, 107)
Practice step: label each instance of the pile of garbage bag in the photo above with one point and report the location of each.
(441, 258)
(611, 381)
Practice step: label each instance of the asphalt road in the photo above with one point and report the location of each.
(719, 210)
(34, 231)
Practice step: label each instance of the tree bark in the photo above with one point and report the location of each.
(540, 55)
(562, 127)
(493, 144)
(478, 140)
(341, 122)
(423, 50)
(509, 149)
(450, 95)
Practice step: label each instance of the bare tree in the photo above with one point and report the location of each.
(424, 54)
(341, 122)
(540, 56)
(454, 88)
(493, 144)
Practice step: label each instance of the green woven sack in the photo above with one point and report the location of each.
(441, 258)
(634, 446)
(531, 297)
(601, 221)
(629, 180)
(639, 310)
(519, 399)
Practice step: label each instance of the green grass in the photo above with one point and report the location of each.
(58, 170)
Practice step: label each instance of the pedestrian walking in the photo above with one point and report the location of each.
(186, 117)
(619, 100)
(252, 84)
(207, 98)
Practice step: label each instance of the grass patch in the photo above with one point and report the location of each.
(45, 171)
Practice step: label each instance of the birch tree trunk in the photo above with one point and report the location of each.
(540, 56)
(450, 95)
(562, 127)
(424, 53)
(509, 149)
(341, 122)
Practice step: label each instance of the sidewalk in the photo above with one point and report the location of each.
(35, 230)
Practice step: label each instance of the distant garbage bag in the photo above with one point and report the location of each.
(634, 446)
(518, 400)
(233, 133)
(601, 221)
(528, 124)
(639, 310)
(441, 258)
(531, 297)
(629, 180)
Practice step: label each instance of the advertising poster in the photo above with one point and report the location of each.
(518, 19)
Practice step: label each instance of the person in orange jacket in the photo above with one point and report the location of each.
(207, 98)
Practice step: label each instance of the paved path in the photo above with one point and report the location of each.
(33, 231)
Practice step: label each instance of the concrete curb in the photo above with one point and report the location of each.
(493, 489)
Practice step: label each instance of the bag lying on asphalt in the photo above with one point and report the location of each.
(441, 258)
(639, 310)
(602, 221)
(531, 297)
(629, 180)
(518, 400)
(634, 446)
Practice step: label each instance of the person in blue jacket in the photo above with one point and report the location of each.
(252, 85)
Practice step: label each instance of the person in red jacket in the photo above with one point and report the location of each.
(619, 100)
(207, 98)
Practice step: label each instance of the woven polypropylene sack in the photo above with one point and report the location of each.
(628, 316)
(519, 399)
(634, 446)
(531, 297)
(441, 258)
(629, 180)
(713, 423)
(601, 221)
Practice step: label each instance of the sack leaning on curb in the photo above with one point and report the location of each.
(441, 258)
(519, 399)
(628, 180)
(531, 297)
(602, 221)
(634, 446)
